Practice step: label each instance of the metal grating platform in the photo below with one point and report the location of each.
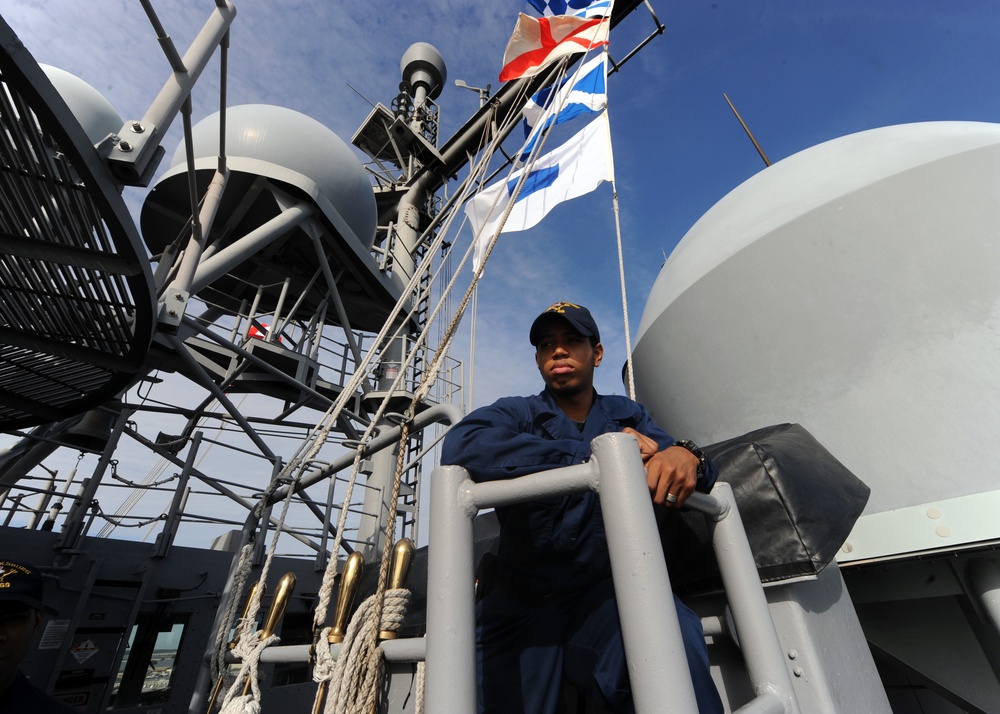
(76, 300)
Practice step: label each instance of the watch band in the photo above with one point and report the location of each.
(693, 448)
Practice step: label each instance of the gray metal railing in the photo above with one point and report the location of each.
(650, 629)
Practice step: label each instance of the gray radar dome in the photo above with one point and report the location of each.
(288, 146)
(276, 157)
(853, 288)
(94, 112)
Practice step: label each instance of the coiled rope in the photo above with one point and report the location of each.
(356, 675)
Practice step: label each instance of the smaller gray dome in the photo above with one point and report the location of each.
(286, 145)
(94, 112)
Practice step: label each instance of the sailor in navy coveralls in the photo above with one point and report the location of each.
(552, 612)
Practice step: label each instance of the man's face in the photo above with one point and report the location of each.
(566, 359)
(18, 624)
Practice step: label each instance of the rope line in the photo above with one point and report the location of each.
(371, 684)
(250, 646)
(247, 703)
(240, 576)
(322, 670)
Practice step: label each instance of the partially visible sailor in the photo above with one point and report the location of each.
(21, 608)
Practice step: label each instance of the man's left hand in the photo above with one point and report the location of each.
(671, 474)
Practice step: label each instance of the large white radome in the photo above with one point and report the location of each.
(852, 288)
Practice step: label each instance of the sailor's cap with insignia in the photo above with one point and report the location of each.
(576, 315)
(20, 583)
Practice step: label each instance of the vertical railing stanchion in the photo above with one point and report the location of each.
(451, 613)
(650, 629)
(762, 650)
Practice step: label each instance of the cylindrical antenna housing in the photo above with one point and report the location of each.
(422, 67)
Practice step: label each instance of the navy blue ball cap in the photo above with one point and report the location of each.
(576, 315)
(20, 583)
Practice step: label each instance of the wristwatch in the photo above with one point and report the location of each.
(693, 448)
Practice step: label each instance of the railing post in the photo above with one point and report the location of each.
(762, 650)
(451, 611)
(658, 669)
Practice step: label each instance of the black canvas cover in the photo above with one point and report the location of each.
(798, 504)
(797, 501)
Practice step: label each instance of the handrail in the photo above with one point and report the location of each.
(653, 643)
(446, 413)
(652, 637)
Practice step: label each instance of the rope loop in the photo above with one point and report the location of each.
(239, 703)
(360, 668)
(323, 661)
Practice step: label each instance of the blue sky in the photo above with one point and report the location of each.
(800, 71)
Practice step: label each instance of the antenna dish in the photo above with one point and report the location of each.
(423, 66)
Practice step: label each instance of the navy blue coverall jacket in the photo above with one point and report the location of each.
(551, 553)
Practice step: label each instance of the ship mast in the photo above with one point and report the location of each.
(400, 143)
